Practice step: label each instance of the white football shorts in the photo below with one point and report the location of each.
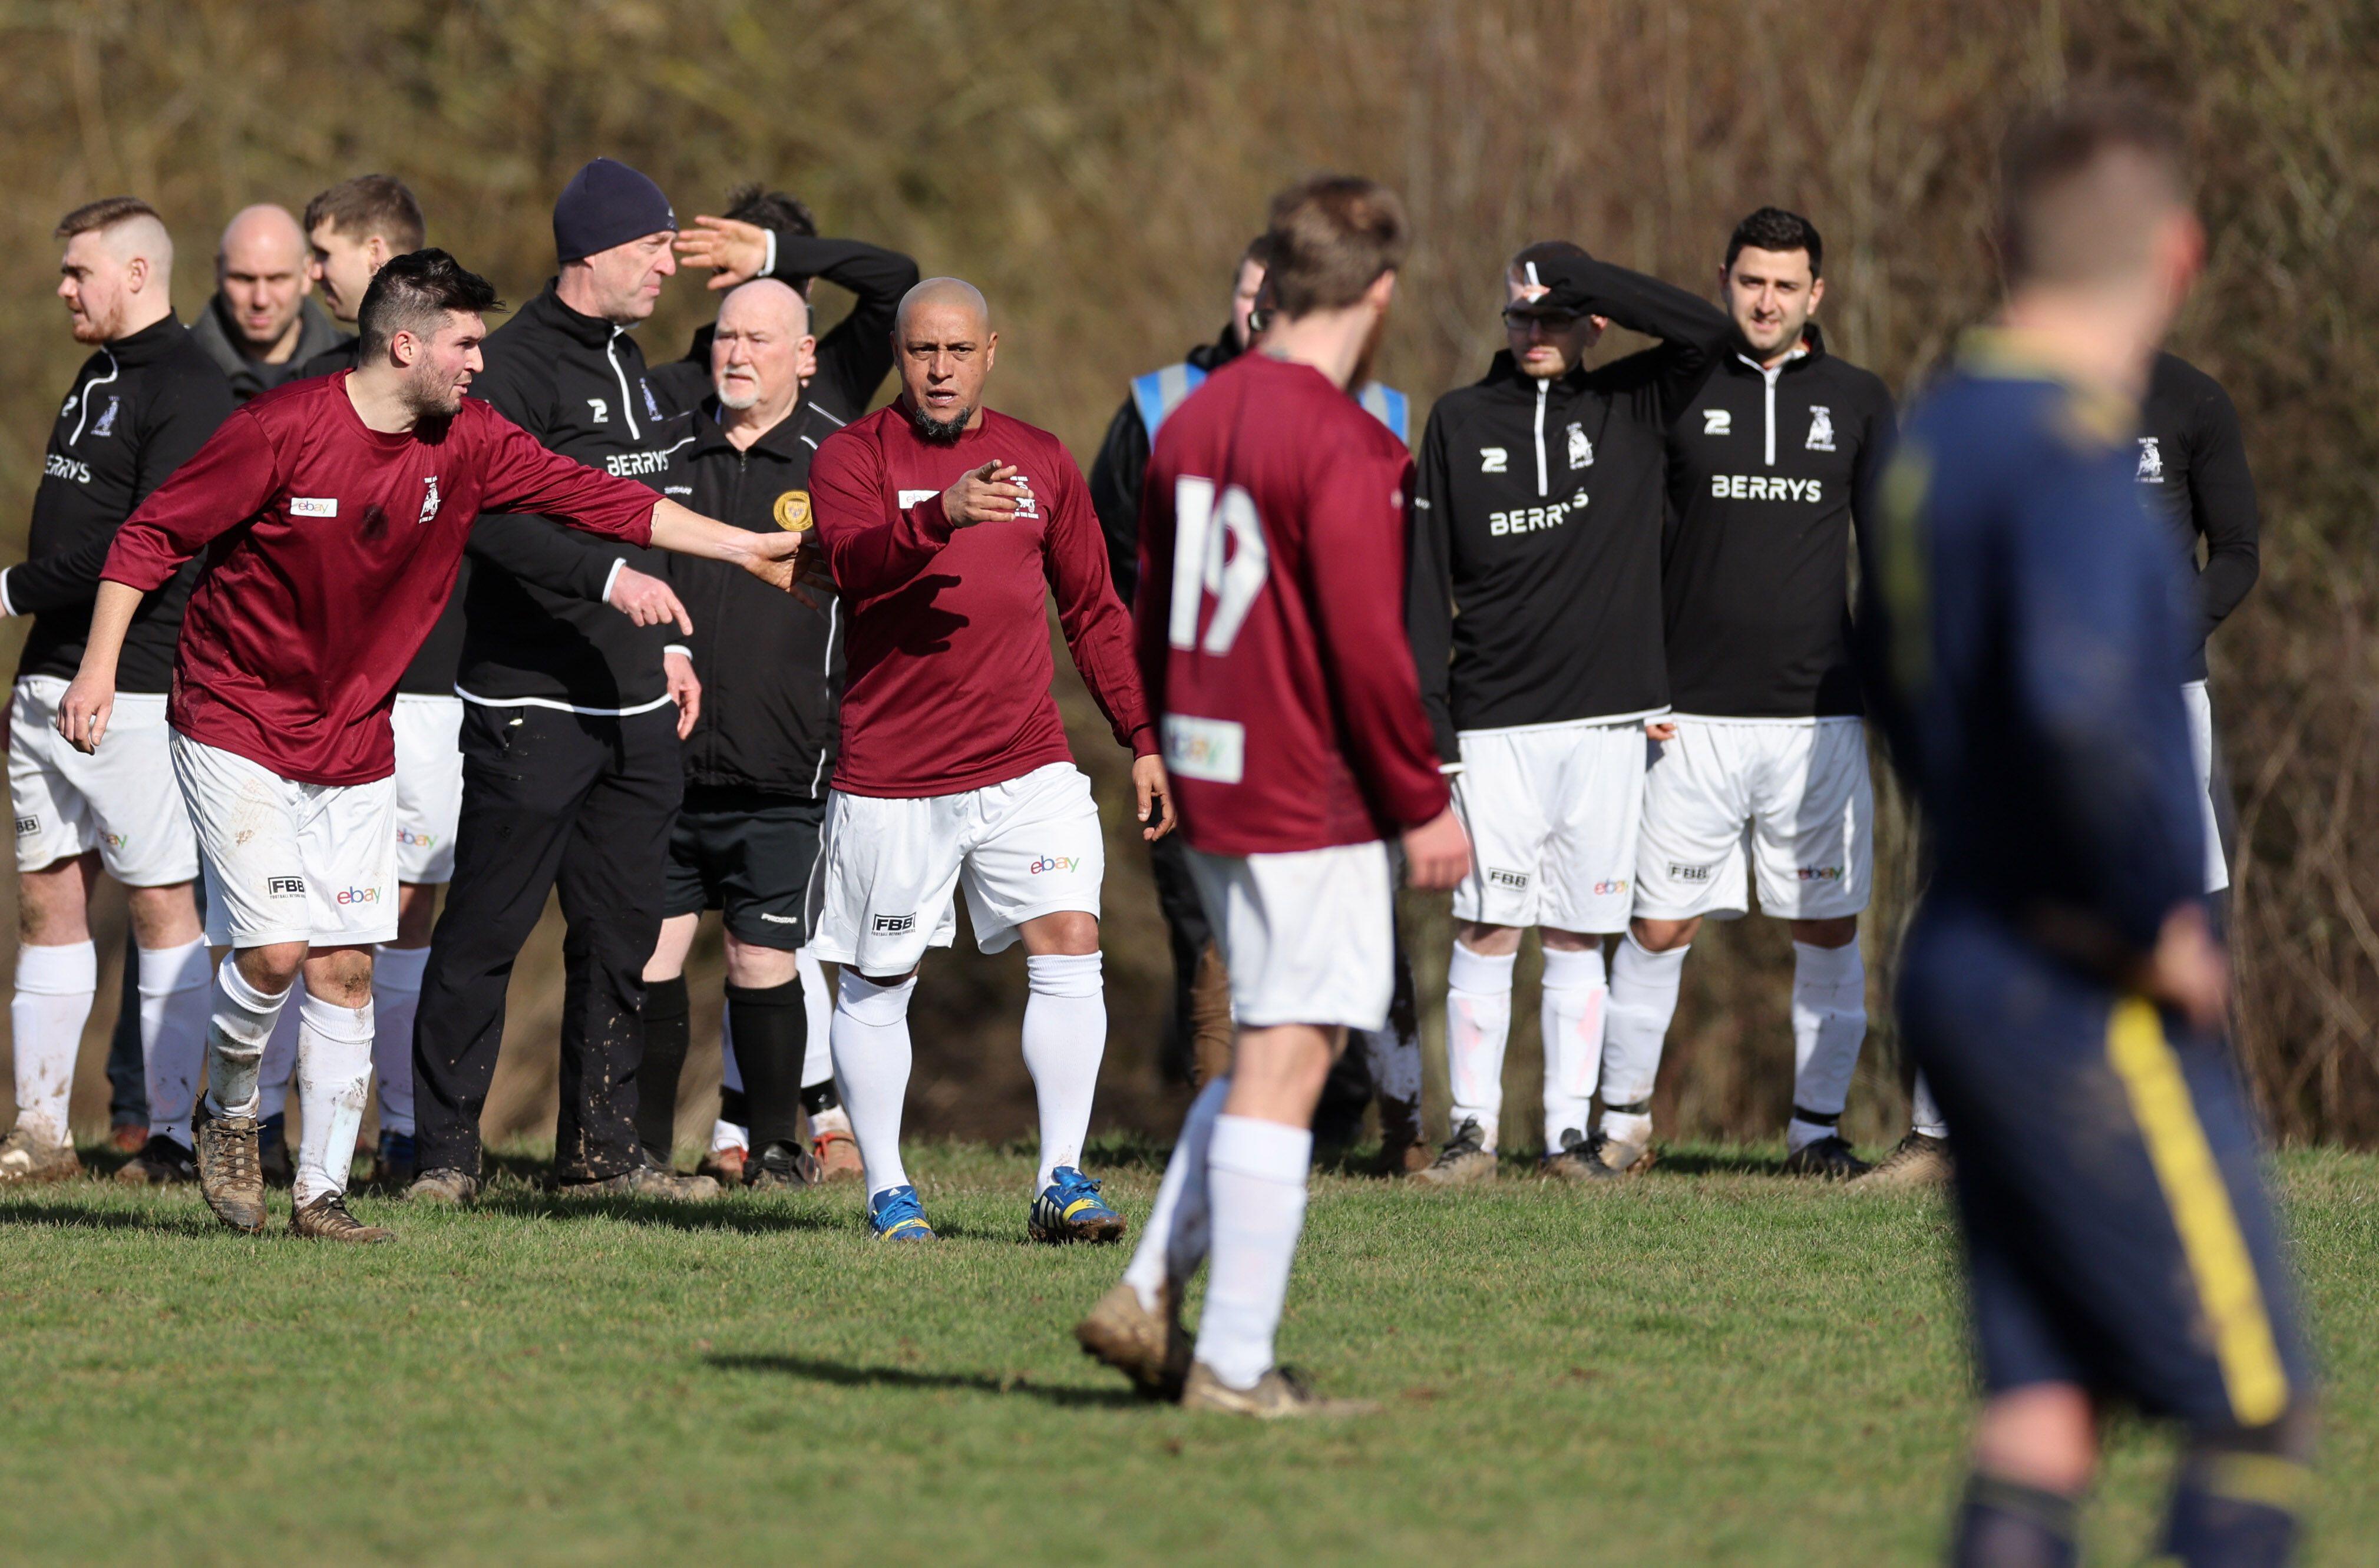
(288, 861)
(120, 801)
(1308, 935)
(429, 785)
(1552, 812)
(1789, 797)
(2201, 749)
(887, 871)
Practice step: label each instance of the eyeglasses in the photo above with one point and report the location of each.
(1520, 318)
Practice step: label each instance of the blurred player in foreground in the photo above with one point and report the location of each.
(2061, 988)
(1271, 632)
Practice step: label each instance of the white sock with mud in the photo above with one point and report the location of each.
(1478, 1027)
(241, 1023)
(1829, 1027)
(334, 1064)
(1573, 1019)
(175, 997)
(1173, 1242)
(1255, 1185)
(1065, 1036)
(1643, 999)
(279, 1068)
(396, 998)
(54, 987)
(872, 1057)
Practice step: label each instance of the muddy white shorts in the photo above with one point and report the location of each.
(888, 870)
(288, 861)
(1552, 811)
(1308, 935)
(1786, 797)
(120, 802)
(429, 785)
(2201, 749)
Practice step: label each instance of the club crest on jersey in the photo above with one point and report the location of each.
(1717, 422)
(106, 426)
(652, 404)
(1025, 505)
(428, 500)
(1495, 460)
(1821, 428)
(2151, 462)
(1581, 450)
(792, 512)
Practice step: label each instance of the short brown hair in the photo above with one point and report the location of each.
(2080, 184)
(1543, 252)
(104, 213)
(367, 205)
(1332, 238)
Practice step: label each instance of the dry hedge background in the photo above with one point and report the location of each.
(1094, 164)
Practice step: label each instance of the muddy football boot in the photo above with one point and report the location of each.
(1605, 1158)
(445, 1185)
(1463, 1161)
(326, 1219)
(161, 1162)
(1828, 1159)
(784, 1168)
(1069, 1209)
(837, 1153)
(647, 1180)
(231, 1178)
(726, 1166)
(1570, 1162)
(1918, 1159)
(26, 1160)
(1279, 1395)
(1151, 1348)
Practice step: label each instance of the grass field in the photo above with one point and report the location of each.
(1714, 1365)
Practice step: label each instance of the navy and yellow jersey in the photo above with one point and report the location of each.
(2021, 624)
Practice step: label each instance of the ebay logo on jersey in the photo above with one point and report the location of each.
(359, 896)
(1055, 863)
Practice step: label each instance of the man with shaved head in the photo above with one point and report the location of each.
(263, 324)
(143, 401)
(946, 527)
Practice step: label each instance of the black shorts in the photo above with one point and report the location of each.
(749, 852)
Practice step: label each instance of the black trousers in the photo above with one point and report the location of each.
(549, 799)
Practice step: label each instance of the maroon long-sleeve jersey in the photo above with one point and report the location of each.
(330, 549)
(948, 649)
(1270, 618)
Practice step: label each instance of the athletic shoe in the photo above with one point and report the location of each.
(1605, 1158)
(22, 1160)
(1069, 1209)
(894, 1214)
(1918, 1159)
(1463, 1161)
(326, 1219)
(129, 1137)
(393, 1161)
(787, 1168)
(1278, 1394)
(837, 1156)
(231, 1178)
(724, 1166)
(1570, 1162)
(1829, 1159)
(161, 1162)
(273, 1150)
(647, 1180)
(1151, 1348)
(444, 1185)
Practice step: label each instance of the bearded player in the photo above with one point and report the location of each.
(334, 512)
(1271, 633)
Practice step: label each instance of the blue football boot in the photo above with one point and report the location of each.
(1069, 1209)
(896, 1215)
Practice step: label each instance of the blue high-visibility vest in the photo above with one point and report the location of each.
(1159, 393)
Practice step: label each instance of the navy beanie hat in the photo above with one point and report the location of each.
(606, 203)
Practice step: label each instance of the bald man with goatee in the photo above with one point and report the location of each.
(264, 323)
(946, 527)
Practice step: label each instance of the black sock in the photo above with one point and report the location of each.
(771, 1026)
(2007, 1525)
(668, 1031)
(819, 1096)
(2234, 1510)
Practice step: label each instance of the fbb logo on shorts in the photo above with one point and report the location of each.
(1690, 873)
(28, 825)
(360, 894)
(1818, 872)
(1502, 878)
(285, 886)
(893, 926)
(1602, 889)
(1054, 862)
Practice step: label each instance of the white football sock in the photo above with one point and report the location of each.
(1829, 1027)
(818, 1001)
(242, 1021)
(1643, 1000)
(1255, 1187)
(54, 987)
(1174, 1243)
(175, 997)
(1924, 1115)
(396, 997)
(279, 1068)
(1065, 1036)
(871, 1058)
(1477, 1026)
(1573, 1018)
(334, 1065)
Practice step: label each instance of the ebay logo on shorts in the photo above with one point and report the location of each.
(418, 840)
(1055, 863)
(359, 896)
(1819, 873)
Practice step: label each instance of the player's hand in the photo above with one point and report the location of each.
(1437, 853)
(83, 712)
(983, 495)
(2188, 972)
(1154, 790)
(1659, 730)
(812, 577)
(771, 559)
(733, 251)
(684, 689)
(648, 601)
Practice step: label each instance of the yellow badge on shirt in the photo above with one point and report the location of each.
(793, 511)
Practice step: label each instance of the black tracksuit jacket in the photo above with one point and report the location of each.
(141, 406)
(1767, 474)
(1121, 468)
(2192, 453)
(1535, 587)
